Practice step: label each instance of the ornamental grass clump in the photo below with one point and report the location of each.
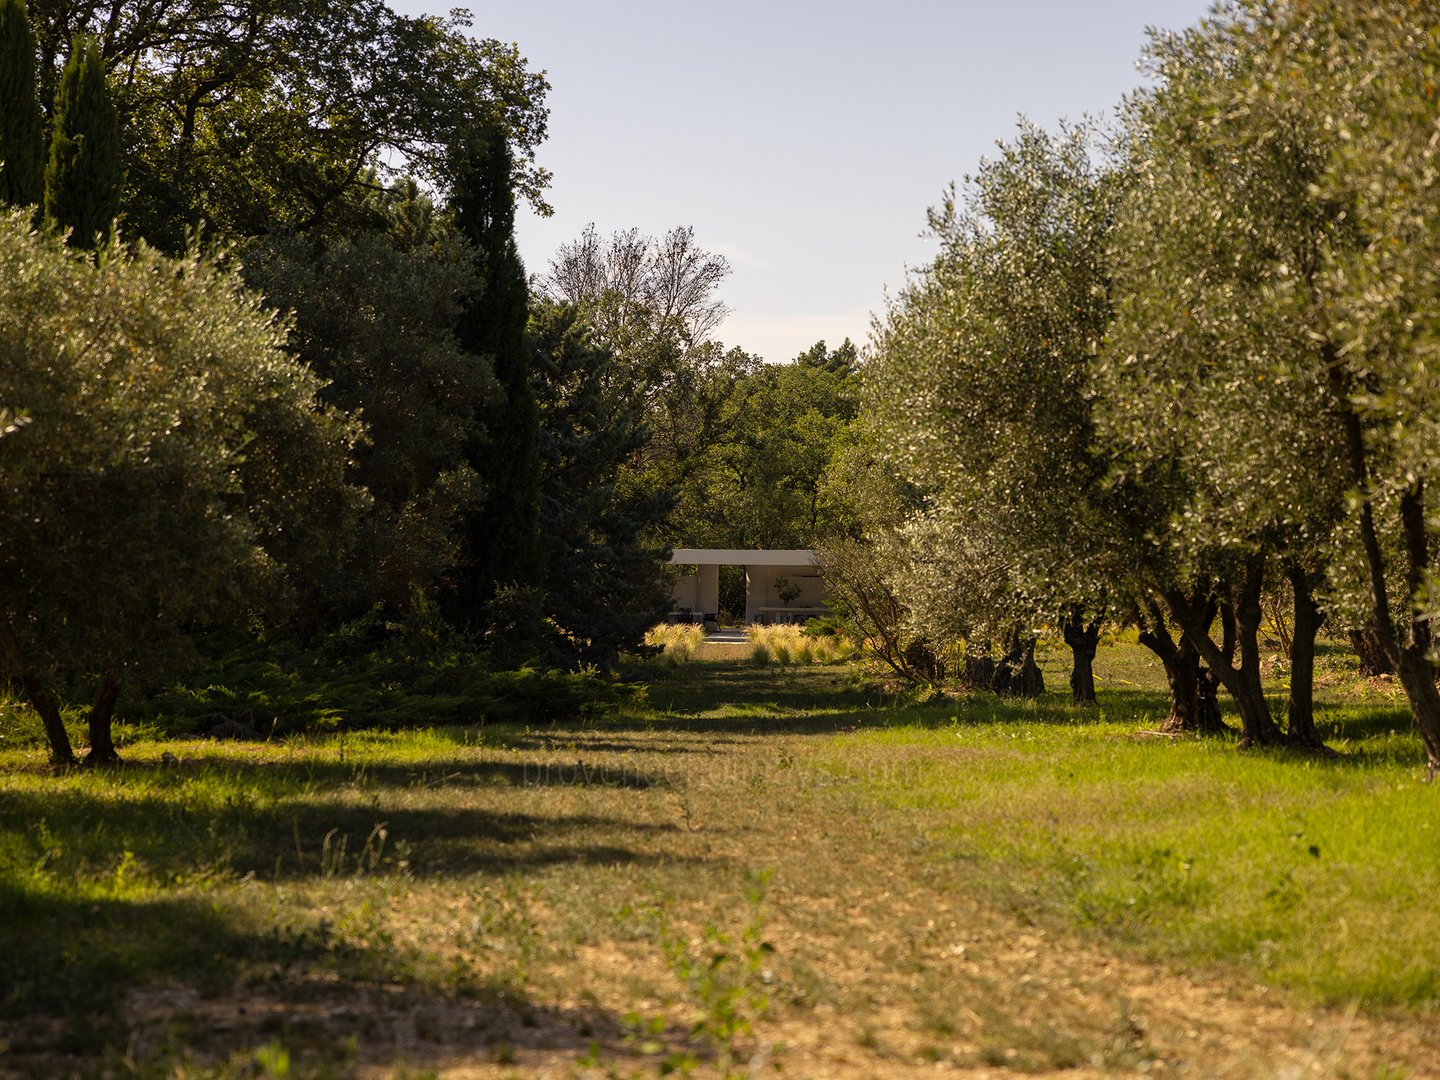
(679, 642)
(791, 645)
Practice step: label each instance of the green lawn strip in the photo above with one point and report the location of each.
(1317, 875)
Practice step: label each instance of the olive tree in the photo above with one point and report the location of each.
(175, 467)
(1365, 75)
(979, 383)
(1227, 357)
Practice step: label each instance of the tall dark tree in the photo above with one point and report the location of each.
(375, 317)
(22, 141)
(603, 582)
(82, 179)
(502, 535)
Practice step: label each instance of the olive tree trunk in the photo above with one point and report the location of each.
(38, 692)
(1410, 656)
(1194, 707)
(102, 714)
(1300, 712)
(1258, 727)
(1084, 640)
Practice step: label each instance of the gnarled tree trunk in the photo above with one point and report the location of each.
(1243, 683)
(1373, 660)
(1014, 675)
(1083, 639)
(41, 699)
(1193, 703)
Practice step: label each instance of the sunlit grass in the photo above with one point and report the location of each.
(1311, 872)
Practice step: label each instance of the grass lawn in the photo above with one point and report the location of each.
(762, 871)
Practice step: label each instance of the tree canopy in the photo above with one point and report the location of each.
(175, 466)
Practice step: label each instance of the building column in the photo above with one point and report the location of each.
(708, 592)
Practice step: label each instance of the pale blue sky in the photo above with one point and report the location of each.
(804, 140)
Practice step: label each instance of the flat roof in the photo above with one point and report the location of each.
(744, 557)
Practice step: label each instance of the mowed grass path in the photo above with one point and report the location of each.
(768, 871)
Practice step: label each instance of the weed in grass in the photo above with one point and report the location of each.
(728, 977)
(273, 1061)
(503, 930)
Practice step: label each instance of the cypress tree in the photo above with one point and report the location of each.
(22, 141)
(501, 537)
(82, 179)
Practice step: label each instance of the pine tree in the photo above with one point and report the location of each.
(82, 180)
(604, 583)
(22, 147)
(502, 535)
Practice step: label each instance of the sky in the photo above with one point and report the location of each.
(802, 140)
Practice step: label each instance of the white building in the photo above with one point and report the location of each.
(780, 585)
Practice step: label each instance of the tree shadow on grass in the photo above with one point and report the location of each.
(89, 984)
(311, 836)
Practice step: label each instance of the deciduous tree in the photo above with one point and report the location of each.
(243, 118)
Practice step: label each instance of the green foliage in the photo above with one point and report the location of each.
(242, 121)
(22, 139)
(652, 303)
(176, 467)
(82, 179)
(1215, 361)
(759, 482)
(501, 536)
(604, 582)
(1235, 358)
(374, 316)
(741, 444)
(979, 393)
(274, 691)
